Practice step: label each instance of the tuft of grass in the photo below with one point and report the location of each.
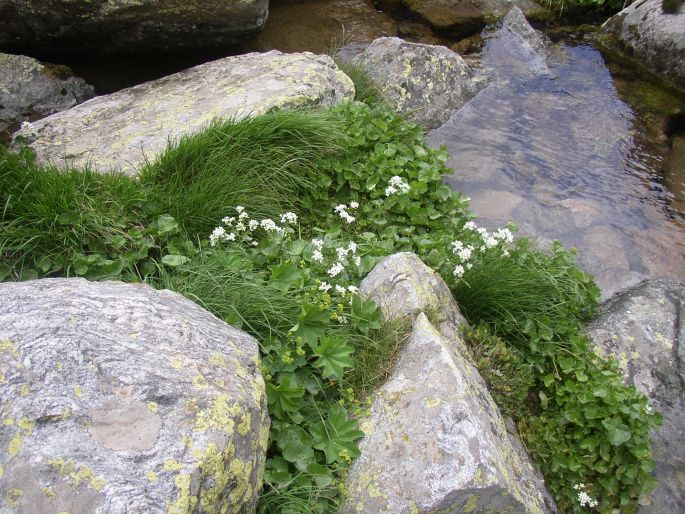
(46, 213)
(365, 88)
(305, 499)
(259, 162)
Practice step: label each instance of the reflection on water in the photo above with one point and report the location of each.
(551, 145)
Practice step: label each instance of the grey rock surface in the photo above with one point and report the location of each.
(29, 88)
(463, 18)
(130, 26)
(644, 329)
(117, 398)
(435, 440)
(427, 82)
(121, 130)
(654, 38)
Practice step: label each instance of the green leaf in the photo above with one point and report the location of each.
(166, 225)
(286, 275)
(322, 475)
(337, 435)
(174, 260)
(284, 396)
(617, 431)
(296, 446)
(333, 356)
(312, 324)
(365, 314)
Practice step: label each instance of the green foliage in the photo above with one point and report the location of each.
(365, 89)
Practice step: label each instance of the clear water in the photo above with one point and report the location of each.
(553, 145)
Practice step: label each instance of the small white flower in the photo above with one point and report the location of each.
(317, 256)
(342, 252)
(352, 247)
(505, 253)
(230, 237)
(343, 320)
(243, 215)
(469, 265)
(491, 242)
(470, 225)
(504, 234)
(217, 234)
(340, 290)
(357, 260)
(397, 185)
(325, 287)
(390, 190)
(396, 181)
(228, 220)
(353, 289)
(483, 232)
(458, 270)
(240, 226)
(354, 205)
(335, 270)
(457, 245)
(340, 207)
(347, 217)
(255, 243)
(239, 208)
(268, 224)
(317, 243)
(289, 217)
(465, 253)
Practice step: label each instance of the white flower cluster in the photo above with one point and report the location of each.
(500, 236)
(342, 253)
(583, 498)
(397, 185)
(27, 131)
(464, 254)
(243, 224)
(341, 209)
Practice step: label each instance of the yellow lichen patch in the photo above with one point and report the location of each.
(218, 360)
(77, 474)
(200, 382)
(152, 407)
(78, 391)
(433, 402)
(184, 503)
(220, 415)
(151, 476)
(13, 498)
(8, 422)
(173, 465)
(59, 366)
(2, 471)
(48, 491)
(26, 425)
(14, 446)
(245, 425)
(176, 363)
(23, 390)
(3, 378)
(240, 470)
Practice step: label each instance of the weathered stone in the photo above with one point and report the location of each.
(29, 88)
(464, 18)
(435, 440)
(129, 26)
(644, 329)
(119, 398)
(654, 38)
(121, 130)
(426, 82)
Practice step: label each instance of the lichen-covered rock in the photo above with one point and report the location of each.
(654, 38)
(427, 82)
(435, 440)
(644, 329)
(131, 26)
(121, 130)
(462, 18)
(29, 88)
(117, 398)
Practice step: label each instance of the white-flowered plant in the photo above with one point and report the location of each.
(479, 241)
(397, 185)
(584, 498)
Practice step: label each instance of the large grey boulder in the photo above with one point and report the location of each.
(435, 440)
(120, 131)
(462, 18)
(644, 329)
(654, 38)
(427, 82)
(29, 88)
(117, 398)
(131, 26)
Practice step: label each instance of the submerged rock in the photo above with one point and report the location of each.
(120, 131)
(653, 37)
(29, 88)
(462, 18)
(435, 440)
(426, 82)
(127, 26)
(119, 398)
(644, 329)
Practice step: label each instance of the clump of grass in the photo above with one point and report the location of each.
(258, 162)
(46, 213)
(365, 89)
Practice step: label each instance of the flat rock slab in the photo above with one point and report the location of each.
(29, 88)
(117, 398)
(127, 26)
(644, 329)
(120, 131)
